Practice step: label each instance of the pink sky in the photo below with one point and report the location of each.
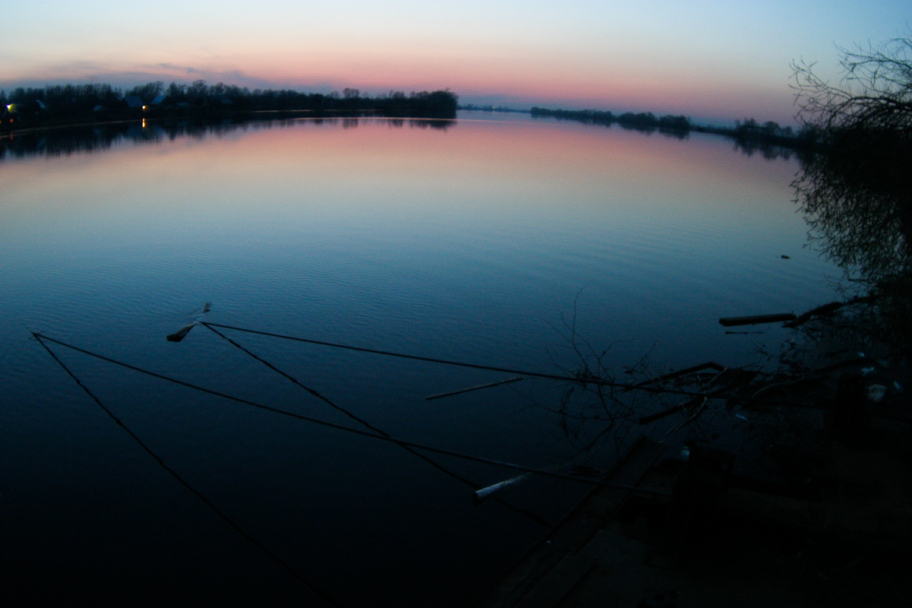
(704, 59)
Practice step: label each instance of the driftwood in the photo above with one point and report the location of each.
(790, 319)
(827, 310)
(814, 375)
(697, 402)
(757, 319)
(684, 372)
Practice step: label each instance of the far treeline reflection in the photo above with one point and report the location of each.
(95, 138)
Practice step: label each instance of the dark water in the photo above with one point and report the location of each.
(477, 242)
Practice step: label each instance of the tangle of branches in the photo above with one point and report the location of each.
(875, 92)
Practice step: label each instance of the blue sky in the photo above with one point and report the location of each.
(708, 60)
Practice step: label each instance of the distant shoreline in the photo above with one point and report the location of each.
(72, 105)
(748, 134)
(64, 106)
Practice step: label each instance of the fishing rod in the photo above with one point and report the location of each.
(537, 519)
(212, 506)
(582, 379)
(353, 431)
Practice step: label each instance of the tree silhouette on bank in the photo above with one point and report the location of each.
(857, 190)
(72, 104)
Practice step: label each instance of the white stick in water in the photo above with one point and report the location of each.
(483, 493)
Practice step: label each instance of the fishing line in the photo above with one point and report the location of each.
(366, 424)
(339, 427)
(578, 380)
(181, 480)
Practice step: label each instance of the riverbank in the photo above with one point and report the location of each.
(719, 526)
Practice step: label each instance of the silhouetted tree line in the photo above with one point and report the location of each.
(69, 104)
(643, 121)
(750, 136)
(490, 108)
(769, 136)
(437, 104)
(771, 140)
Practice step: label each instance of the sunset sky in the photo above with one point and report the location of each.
(708, 60)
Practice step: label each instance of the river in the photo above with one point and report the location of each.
(494, 239)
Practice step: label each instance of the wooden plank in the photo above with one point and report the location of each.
(558, 583)
(531, 575)
(757, 319)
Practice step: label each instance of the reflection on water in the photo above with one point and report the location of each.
(857, 198)
(472, 242)
(55, 142)
(768, 150)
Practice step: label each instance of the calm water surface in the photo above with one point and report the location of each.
(475, 242)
